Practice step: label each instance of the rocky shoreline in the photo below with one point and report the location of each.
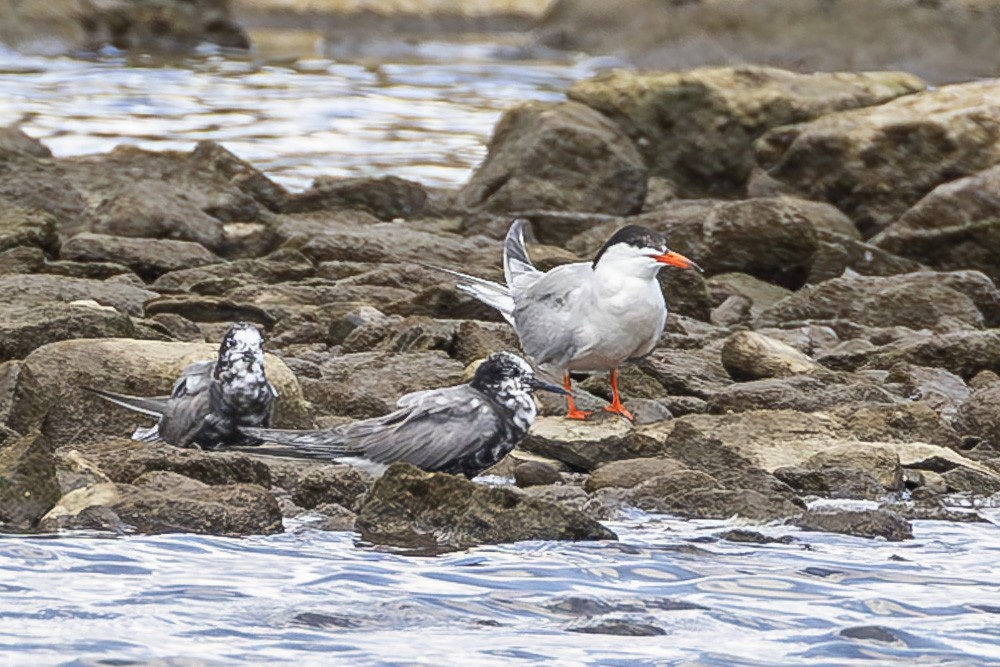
(842, 343)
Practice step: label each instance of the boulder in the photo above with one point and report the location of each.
(410, 508)
(697, 127)
(762, 295)
(628, 473)
(880, 463)
(980, 414)
(146, 368)
(915, 300)
(837, 255)
(584, 445)
(218, 279)
(859, 523)
(26, 227)
(748, 355)
(696, 372)
(832, 482)
(566, 157)
(28, 484)
(963, 353)
(18, 291)
(14, 139)
(804, 393)
(24, 328)
(386, 198)
(317, 485)
(877, 162)
(535, 473)
(694, 494)
(149, 258)
(903, 422)
(942, 391)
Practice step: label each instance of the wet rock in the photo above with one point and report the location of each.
(27, 327)
(743, 536)
(124, 461)
(333, 518)
(916, 300)
(144, 368)
(880, 463)
(832, 482)
(386, 198)
(980, 414)
(321, 485)
(694, 494)
(964, 353)
(762, 295)
(956, 226)
(566, 157)
(232, 509)
(944, 392)
(411, 508)
(156, 25)
(149, 258)
(84, 508)
(748, 355)
(623, 626)
(796, 392)
(629, 473)
(584, 445)
(28, 484)
(875, 633)
(875, 163)
(859, 523)
(535, 473)
(697, 128)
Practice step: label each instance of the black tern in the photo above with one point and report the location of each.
(463, 429)
(211, 398)
(586, 316)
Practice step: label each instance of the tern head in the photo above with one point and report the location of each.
(639, 251)
(242, 348)
(503, 374)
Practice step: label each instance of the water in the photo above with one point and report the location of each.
(426, 116)
(308, 597)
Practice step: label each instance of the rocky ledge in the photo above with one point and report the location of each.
(842, 343)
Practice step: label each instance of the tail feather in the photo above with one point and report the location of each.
(515, 256)
(492, 294)
(324, 445)
(154, 407)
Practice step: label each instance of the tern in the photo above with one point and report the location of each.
(463, 429)
(586, 316)
(211, 398)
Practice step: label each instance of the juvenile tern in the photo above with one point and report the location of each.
(211, 398)
(463, 429)
(586, 316)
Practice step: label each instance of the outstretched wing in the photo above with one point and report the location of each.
(518, 270)
(154, 407)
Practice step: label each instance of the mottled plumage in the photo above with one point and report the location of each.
(211, 398)
(463, 429)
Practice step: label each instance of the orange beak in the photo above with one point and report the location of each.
(676, 259)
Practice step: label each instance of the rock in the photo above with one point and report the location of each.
(28, 327)
(963, 353)
(28, 484)
(628, 473)
(743, 536)
(694, 494)
(915, 300)
(697, 373)
(944, 392)
(411, 508)
(602, 506)
(74, 471)
(837, 255)
(735, 311)
(149, 258)
(65, 515)
(26, 227)
(980, 414)
(804, 393)
(832, 482)
(880, 463)
(697, 128)
(762, 294)
(618, 626)
(218, 279)
(386, 198)
(584, 445)
(905, 422)
(965, 480)
(859, 523)
(322, 485)
(13, 139)
(138, 367)
(22, 290)
(232, 509)
(956, 226)
(124, 461)
(535, 473)
(748, 355)
(565, 157)
(333, 518)
(875, 163)
(155, 25)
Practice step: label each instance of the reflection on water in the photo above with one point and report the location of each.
(425, 115)
(665, 593)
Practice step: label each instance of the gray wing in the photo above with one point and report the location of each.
(190, 402)
(546, 314)
(518, 271)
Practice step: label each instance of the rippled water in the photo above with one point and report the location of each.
(308, 597)
(425, 116)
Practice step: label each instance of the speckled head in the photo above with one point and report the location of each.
(242, 344)
(503, 372)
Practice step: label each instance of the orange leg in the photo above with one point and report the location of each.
(616, 402)
(572, 412)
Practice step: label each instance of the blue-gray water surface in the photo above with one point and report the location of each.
(309, 597)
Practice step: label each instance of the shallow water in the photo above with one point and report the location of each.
(422, 112)
(309, 597)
